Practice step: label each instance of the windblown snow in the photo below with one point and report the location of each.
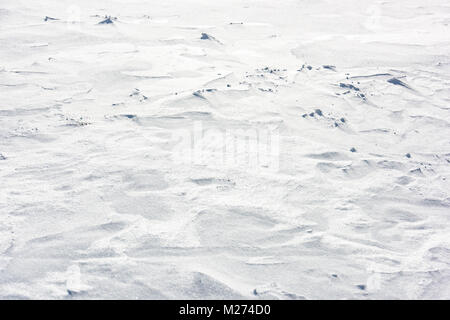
(247, 149)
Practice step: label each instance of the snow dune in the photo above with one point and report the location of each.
(235, 149)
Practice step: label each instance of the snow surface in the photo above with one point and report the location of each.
(101, 196)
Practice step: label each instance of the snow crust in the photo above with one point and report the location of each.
(119, 176)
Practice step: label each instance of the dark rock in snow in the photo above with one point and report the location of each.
(398, 82)
(2, 157)
(319, 112)
(408, 155)
(108, 20)
(352, 150)
(417, 172)
(198, 94)
(349, 86)
(205, 36)
(361, 286)
(49, 18)
(333, 68)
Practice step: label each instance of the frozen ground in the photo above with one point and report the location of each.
(100, 197)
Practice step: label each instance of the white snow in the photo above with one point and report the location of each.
(225, 149)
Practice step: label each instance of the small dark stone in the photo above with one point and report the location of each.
(352, 150)
(304, 115)
(198, 94)
(417, 171)
(319, 112)
(311, 114)
(349, 86)
(342, 120)
(108, 20)
(361, 286)
(408, 155)
(329, 67)
(397, 82)
(2, 157)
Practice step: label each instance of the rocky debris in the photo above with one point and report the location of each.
(332, 68)
(76, 122)
(137, 94)
(349, 86)
(47, 18)
(398, 82)
(199, 93)
(108, 20)
(305, 66)
(361, 287)
(206, 36)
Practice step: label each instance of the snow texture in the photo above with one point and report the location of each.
(119, 171)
